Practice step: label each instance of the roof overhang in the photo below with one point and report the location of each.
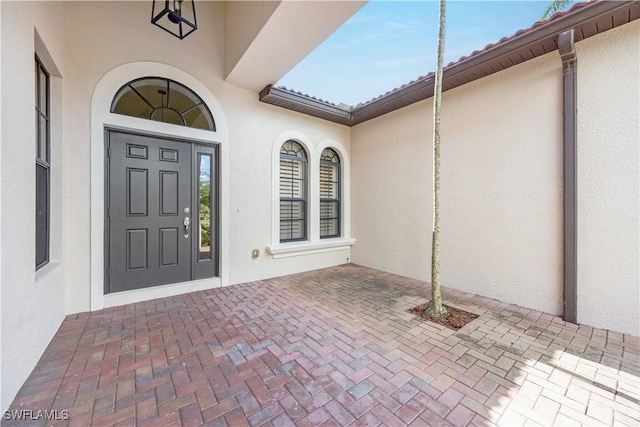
(306, 104)
(265, 39)
(587, 19)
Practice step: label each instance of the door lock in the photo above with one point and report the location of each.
(186, 223)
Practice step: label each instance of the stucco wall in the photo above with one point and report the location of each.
(243, 22)
(391, 192)
(501, 187)
(609, 180)
(32, 303)
(251, 224)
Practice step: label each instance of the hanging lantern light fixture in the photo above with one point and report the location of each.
(177, 17)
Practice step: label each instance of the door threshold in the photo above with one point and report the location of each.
(162, 291)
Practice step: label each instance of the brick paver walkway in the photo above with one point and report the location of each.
(331, 347)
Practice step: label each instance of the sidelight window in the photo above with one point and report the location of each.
(205, 193)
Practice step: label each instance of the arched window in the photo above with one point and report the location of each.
(163, 100)
(293, 192)
(329, 194)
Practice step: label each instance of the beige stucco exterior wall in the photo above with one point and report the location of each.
(84, 51)
(33, 303)
(502, 215)
(243, 21)
(501, 188)
(502, 185)
(609, 180)
(391, 184)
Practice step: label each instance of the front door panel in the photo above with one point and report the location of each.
(149, 204)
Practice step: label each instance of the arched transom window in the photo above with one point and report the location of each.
(329, 194)
(163, 100)
(293, 192)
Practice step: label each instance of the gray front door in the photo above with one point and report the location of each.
(150, 219)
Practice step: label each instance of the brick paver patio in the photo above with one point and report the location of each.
(331, 347)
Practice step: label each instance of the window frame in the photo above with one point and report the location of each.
(129, 86)
(43, 161)
(337, 201)
(304, 200)
(313, 244)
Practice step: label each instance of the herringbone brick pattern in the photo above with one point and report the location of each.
(331, 347)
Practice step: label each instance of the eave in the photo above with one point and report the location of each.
(587, 19)
(306, 104)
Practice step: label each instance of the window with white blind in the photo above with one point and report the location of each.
(293, 192)
(329, 194)
(311, 211)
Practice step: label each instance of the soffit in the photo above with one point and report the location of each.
(281, 33)
(588, 19)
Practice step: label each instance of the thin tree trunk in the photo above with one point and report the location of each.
(436, 309)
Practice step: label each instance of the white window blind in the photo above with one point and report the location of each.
(293, 192)
(329, 194)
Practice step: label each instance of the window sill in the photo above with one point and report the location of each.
(284, 250)
(46, 270)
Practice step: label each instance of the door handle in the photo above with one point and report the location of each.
(186, 221)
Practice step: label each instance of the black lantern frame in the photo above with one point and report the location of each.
(177, 17)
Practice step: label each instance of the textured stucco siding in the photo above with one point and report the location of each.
(501, 187)
(391, 183)
(33, 304)
(609, 180)
(501, 216)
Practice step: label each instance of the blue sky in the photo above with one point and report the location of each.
(389, 43)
